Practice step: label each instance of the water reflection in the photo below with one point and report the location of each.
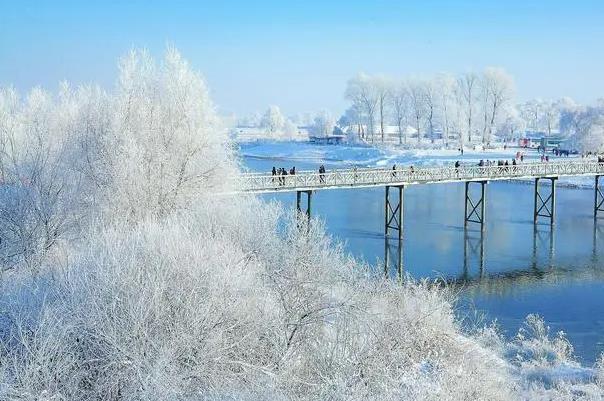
(393, 258)
(598, 232)
(543, 238)
(473, 252)
(542, 263)
(543, 266)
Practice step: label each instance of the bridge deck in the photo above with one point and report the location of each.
(360, 178)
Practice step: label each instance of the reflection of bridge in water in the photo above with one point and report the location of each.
(395, 180)
(548, 271)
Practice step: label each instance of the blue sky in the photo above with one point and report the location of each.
(299, 54)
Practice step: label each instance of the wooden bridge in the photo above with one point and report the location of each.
(394, 180)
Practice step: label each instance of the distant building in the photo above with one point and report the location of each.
(552, 142)
(328, 140)
(528, 143)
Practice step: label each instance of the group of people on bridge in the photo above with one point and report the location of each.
(487, 163)
(280, 174)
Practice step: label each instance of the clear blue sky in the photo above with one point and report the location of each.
(299, 54)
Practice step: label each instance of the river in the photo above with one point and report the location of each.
(505, 274)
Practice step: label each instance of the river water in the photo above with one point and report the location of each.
(505, 274)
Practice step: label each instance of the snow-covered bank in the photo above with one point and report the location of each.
(368, 156)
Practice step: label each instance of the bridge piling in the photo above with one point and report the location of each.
(299, 203)
(545, 207)
(599, 198)
(475, 212)
(393, 220)
(473, 248)
(394, 215)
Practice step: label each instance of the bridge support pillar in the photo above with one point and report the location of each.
(302, 212)
(473, 248)
(599, 197)
(475, 211)
(545, 207)
(393, 220)
(394, 215)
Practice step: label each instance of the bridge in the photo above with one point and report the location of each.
(395, 180)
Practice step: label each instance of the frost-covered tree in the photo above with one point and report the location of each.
(512, 125)
(400, 109)
(417, 103)
(550, 116)
(587, 126)
(164, 132)
(532, 112)
(251, 120)
(353, 120)
(290, 130)
(273, 121)
(361, 91)
(43, 177)
(430, 98)
(468, 87)
(498, 90)
(383, 90)
(569, 123)
(323, 124)
(446, 100)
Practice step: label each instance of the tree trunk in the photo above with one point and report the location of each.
(382, 118)
(400, 133)
(469, 123)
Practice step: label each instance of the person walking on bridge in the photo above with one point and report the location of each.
(274, 172)
(322, 174)
(284, 173)
(394, 170)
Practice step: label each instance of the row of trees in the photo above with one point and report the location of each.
(276, 125)
(582, 125)
(467, 107)
(445, 107)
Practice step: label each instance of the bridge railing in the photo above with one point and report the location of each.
(255, 182)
